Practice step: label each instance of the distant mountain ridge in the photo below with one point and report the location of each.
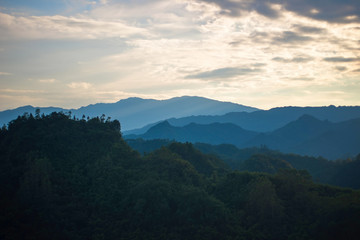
(310, 136)
(307, 135)
(138, 112)
(215, 133)
(267, 120)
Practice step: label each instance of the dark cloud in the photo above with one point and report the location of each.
(357, 70)
(223, 73)
(259, 64)
(259, 37)
(302, 79)
(235, 43)
(341, 59)
(329, 10)
(280, 59)
(265, 9)
(341, 11)
(235, 9)
(308, 29)
(293, 60)
(341, 68)
(301, 59)
(290, 37)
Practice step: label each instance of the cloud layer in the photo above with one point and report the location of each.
(338, 11)
(247, 51)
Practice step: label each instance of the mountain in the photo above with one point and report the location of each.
(341, 140)
(264, 163)
(293, 133)
(339, 173)
(310, 136)
(268, 120)
(307, 135)
(215, 133)
(136, 112)
(78, 179)
(8, 115)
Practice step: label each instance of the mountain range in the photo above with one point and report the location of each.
(137, 112)
(64, 178)
(307, 135)
(331, 132)
(266, 120)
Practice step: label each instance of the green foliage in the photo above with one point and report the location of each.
(205, 164)
(339, 173)
(77, 179)
(147, 146)
(264, 163)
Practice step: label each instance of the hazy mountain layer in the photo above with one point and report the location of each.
(78, 179)
(267, 120)
(310, 136)
(306, 135)
(215, 133)
(137, 112)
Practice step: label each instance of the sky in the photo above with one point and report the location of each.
(260, 53)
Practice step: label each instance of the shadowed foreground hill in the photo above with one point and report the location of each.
(343, 173)
(67, 179)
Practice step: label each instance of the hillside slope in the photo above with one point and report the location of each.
(78, 179)
(215, 133)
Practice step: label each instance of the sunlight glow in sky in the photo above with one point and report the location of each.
(71, 53)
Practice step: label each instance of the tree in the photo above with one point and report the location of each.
(264, 209)
(35, 187)
(37, 113)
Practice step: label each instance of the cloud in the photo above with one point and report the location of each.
(223, 73)
(62, 27)
(5, 74)
(236, 8)
(258, 37)
(291, 37)
(293, 60)
(302, 78)
(19, 91)
(309, 29)
(80, 85)
(171, 48)
(328, 10)
(47, 80)
(341, 59)
(341, 68)
(339, 11)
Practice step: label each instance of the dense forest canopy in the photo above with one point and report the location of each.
(342, 173)
(64, 178)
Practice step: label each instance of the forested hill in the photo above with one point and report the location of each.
(78, 179)
(342, 173)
